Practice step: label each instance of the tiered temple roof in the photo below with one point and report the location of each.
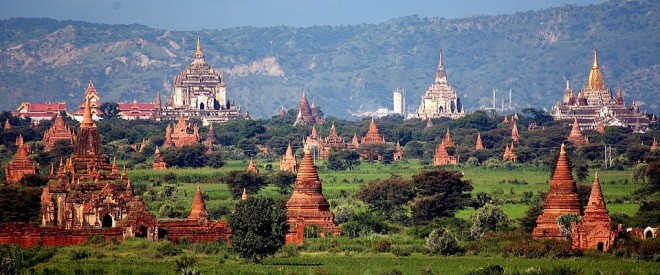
(307, 205)
(39, 111)
(447, 141)
(59, 131)
(94, 103)
(307, 114)
(398, 152)
(515, 136)
(180, 135)
(561, 199)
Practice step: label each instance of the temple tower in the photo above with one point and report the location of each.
(59, 131)
(288, 161)
(251, 168)
(198, 212)
(576, 136)
(88, 142)
(440, 99)
(561, 199)
(20, 166)
(478, 145)
(447, 141)
(594, 231)
(159, 161)
(372, 136)
(307, 205)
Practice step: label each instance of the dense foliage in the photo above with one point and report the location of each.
(258, 228)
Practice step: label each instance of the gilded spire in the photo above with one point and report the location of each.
(595, 76)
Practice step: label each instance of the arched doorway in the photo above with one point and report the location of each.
(600, 246)
(201, 106)
(648, 235)
(141, 232)
(106, 222)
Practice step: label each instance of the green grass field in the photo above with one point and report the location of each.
(617, 186)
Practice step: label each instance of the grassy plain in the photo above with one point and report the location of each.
(508, 186)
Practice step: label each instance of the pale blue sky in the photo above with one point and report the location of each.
(219, 14)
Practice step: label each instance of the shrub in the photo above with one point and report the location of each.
(287, 251)
(382, 246)
(401, 251)
(167, 248)
(79, 254)
(440, 241)
(488, 270)
(185, 262)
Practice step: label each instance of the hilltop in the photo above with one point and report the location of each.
(344, 68)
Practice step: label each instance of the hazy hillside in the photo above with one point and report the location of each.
(344, 67)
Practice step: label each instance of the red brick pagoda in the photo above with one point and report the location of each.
(288, 161)
(307, 205)
(561, 199)
(576, 136)
(59, 131)
(20, 166)
(372, 136)
(478, 145)
(159, 161)
(442, 157)
(594, 231)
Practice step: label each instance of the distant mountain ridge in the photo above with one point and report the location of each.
(344, 68)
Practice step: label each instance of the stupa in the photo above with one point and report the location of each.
(442, 157)
(159, 161)
(594, 231)
(478, 145)
(59, 131)
(372, 136)
(198, 212)
(307, 205)
(288, 161)
(576, 136)
(20, 166)
(561, 199)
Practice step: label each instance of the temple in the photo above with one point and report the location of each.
(561, 199)
(372, 136)
(288, 161)
(515, 136)
(595, 229)
(92, 96)
(398, 151)
(199, 91)
(595, 105)
(59, 131)
(180, 135)
(478, 144)
(576, 136)
(307, 205)
(440, 100)
(20, 166)
(448, 141)
(509, 154)
(251, 168)
(159, 161)
(442, 157)
(307, 114)
(38, 112)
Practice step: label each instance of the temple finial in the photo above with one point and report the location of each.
(595, 58)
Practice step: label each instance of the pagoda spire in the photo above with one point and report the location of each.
(440, 74)
(7, 124)
(198, 212)
(447, 141)
(478, 145)
(199, 55)
(244, 197)
(87, 121)
(595, 76)
(596, 209)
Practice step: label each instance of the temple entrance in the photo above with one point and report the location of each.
(201, 106)
(107, 221)
(141, 232)
(648, 235)
(599, 246)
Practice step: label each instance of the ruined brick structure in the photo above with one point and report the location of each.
(561, 199)
(515, 136)
(59, 131)
(21, 164)
(307, 205)
(251, 168)
(594, 231)
(398, 152)
(288, 161)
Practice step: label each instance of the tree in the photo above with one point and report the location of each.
(528, 222)
(187, 156)
(441, 241)
(284, 181)
(237, 180)
(258, 228)
(639, 173)
(109, 109)
(489, 218)
(248, 146)
(440, 193)
(386, 196)
(565, 222)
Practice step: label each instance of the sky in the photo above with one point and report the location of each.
(221, 14)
